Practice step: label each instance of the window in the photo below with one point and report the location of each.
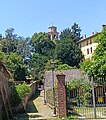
(87, 43)
(90, 41)
(88, 51)
(91, 49)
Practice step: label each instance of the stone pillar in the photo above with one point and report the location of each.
(61, 95)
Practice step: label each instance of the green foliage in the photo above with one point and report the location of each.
(22, 89)
(64, 67)
(83, 88)
(14, 52)
(15, 65)
(68, 52)
(42, 44)
(75, 83)
(2, 55)
(20, 72)
(67, 49)
(87, 66)
(48, 65)
(101, 48)
(37, 63)
(16, 99)
(74, 33)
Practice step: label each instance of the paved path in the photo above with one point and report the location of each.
(45, 111)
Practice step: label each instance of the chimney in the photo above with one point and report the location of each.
(92, 33)
(85, 35)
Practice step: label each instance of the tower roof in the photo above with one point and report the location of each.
(52, 27)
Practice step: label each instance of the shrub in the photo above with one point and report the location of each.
(64, 67)
(22, 89)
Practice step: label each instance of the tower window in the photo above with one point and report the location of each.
(54, 36)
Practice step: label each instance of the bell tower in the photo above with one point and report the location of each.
(52, 31)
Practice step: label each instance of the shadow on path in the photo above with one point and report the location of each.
(31, 108)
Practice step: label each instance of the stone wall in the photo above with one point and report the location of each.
(5, 92)
(34, 88)
(70, 74)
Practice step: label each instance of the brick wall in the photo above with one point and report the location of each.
(61, 94)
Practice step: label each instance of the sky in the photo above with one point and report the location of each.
(30, 16)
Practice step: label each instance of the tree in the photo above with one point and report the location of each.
(48, 65)
(68, 52)
(16, 66)
(73, 33)
(66, 33)
(14, 43)
(37, 64)
(42, 44)
(87, 66)
(76, 32)
(10, 41)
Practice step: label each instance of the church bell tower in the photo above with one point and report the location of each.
(52, 31)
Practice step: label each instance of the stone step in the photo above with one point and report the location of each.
(28, 116)
(30, 119)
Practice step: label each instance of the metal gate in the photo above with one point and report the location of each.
(93, 105)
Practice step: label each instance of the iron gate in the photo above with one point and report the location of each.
(81, 108)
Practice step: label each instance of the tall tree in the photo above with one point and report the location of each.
(15, 65)
(68, 52)
(42, 44)
(74, 33)
(37, 64)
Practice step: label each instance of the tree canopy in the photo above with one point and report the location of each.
(74, 33)
(68, 52)
(13, 53)
(24, 56)
(42, 44)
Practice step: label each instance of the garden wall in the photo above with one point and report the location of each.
(70, 74)
(34, 88)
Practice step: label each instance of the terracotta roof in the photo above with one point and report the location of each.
(88, 37)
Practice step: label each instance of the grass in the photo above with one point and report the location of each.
(88, 112)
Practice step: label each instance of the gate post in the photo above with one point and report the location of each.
(61, 95)
(93, 93)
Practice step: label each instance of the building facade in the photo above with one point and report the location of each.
(88, 46)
